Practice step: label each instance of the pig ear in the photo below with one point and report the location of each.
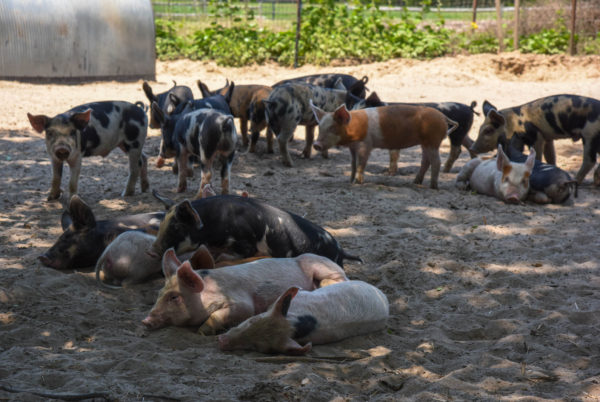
(81, 213)
(186, 213)
(339, 85)
(203, 89)
(487, 106)
(188, 278)
(175, 101)
(529, 163)
(39, 122)
(170, 263)
(148, 91)
(341, 115)
(81, 119)
(229, 93)
(202, 259)
(282, 304)
(319, 113)
(158, 112)
(293, 348)
(501, 160)
(373, 100)
(496, 118)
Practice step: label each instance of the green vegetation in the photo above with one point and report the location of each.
(332, 31)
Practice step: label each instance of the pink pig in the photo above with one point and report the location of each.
(217, 299)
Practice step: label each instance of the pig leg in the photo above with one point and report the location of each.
(269, 140)
(425, 162)
(226, 317)
(310, 137)
(135, 155)
(464, 176)
(183, 161)
(589, 160)
(363, 153)
(75, 166)
(144, 172)
(353, 171)
(283, 138)
(597, 176)
(57, 170)
(549, 152)
(433, 155)
(454, 154)
(253, 140)
(468, 143)
(244, 130)
(322, 270)
(226, 172)
(538, 197)
(205, 176)
(394, 156)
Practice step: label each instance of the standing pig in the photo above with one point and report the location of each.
(242, 227)
(84, 238)
(500, 178)
(219, 298)
(125, 260)
(166, 102)
(209, 135)
(301, 317)
(388, 127)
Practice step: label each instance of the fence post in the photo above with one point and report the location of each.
(499, 26)
(298, 19)
(273, 10)
(474, 11)
(517, 24)
(572, 36)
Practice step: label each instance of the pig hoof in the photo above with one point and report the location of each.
(145, 186)
(53, 197)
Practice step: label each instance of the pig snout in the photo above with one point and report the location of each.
(62, 152)
(48, 261)
(512, 199)
(152, 322)
(224, 342)
(318, 146)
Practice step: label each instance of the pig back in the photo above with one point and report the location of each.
(338, 311)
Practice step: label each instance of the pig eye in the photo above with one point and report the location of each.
(173, 298)
(505, 179)
(525, 182)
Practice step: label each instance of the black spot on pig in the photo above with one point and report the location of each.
(100, 111)
(304, 325)
(90, 140)
(131, 131)
(577, 101)
(551, 119)
(572, 121)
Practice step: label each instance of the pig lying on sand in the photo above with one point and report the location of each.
(220, 298)
(500, 178)
(325, 315)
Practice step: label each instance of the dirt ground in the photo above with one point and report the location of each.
(488, 301)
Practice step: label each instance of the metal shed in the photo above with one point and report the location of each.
(53, 40)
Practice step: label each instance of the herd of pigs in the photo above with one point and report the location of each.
(270, 278)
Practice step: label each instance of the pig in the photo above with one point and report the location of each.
(300, 317)
(540, 122)
(247, 104)
(242, 227)
(84, 238)
(168, 121)
(388, 127)
(288, 106)
(94, 129)
(165, 102)
(499, 177)
(219, 298)
(331, 81)
(125, 260)
(210, 135)
(459, 112)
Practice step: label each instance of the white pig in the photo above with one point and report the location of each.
(125, 260)
(325, 315)
(219, 298)
(501, 178)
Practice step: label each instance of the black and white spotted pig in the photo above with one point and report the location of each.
(166, 102)
(540, 122)
(94, 129)
(459, 112)
(84, 238)
(168, 121)
(288, 106)
(208, 134)
(242, 227)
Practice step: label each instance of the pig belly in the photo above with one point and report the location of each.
(483, 178)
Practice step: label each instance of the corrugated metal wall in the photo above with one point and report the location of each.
(76, 39)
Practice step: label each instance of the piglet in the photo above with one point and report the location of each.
(298, 317)
(219, 298)
(125, 260)
(501, 178)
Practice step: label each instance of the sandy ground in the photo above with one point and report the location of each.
(488, 301)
